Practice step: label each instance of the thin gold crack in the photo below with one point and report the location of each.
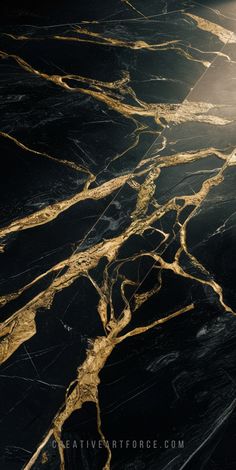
(95, 38)
(127, 2)
(109, 41)
(104, 441)
(87, 36)
(99, 39)
(160, 321)
(72, 165)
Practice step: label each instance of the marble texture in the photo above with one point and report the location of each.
(117, 235)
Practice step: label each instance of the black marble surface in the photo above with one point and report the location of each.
(117, 235)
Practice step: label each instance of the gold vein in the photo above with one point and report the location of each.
(185, 112)
(86, 389)
(223, 34)
(72, 165)
(52, 211)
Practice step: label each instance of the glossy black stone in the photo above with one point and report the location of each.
(117, 197)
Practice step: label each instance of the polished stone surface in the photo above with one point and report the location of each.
(117, 235)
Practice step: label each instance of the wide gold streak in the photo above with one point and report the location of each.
(86, 389)
(223, 34)
(51, 212)
(185, 112)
